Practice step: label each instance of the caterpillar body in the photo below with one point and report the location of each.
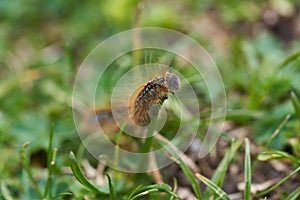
(151, 96)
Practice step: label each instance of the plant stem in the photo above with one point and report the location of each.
(148, 141)
(26, 165)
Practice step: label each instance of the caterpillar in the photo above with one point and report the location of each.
(151, 96)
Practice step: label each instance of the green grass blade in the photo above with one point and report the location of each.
(216, 189)
(135, 191)
(174, 189)
(230, 115)
(289, 59)
(26, 165)
(189, 174)
(219, 175)
(5, 192)
(276, 154)
(296, 104)
(50, 146)
(50, 171)
(112, 191)
(241, 115)
(146, 190)
(275, 133)
(279, 183)
(186, 170)
(81, 178)
(277, 130)
(247, 192)
(117, 148)
(62, 195)
(294, 195)
(51, 157)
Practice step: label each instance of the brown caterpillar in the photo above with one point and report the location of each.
(150, 96)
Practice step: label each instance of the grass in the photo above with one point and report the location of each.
(213, 185)
(42, 46)
(248, 171)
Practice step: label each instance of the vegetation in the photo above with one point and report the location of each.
(256, 47)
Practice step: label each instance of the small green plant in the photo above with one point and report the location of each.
(137, 193)
(51, 159)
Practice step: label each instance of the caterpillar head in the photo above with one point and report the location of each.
(173, 82)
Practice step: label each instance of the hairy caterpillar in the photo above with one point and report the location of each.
(150, 96)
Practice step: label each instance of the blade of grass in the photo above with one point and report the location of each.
(51, 156)
(151, 128)
(147, 192)
(278, 129)
(26, 165)
(112, 191)
(294, 195)
(61, 195)
(276, 154)
(296, 104)
(187, 160)
(216, 189)
(5, 192)
(50, 171)
(148, 141)
(275, 133)
(81, 178)
(247, 192)
(142, 191)
(80, 151)
(230, 115)
(219, 175)
(174, 189)
(186, 170)
(117, 148)
(190, 176)
(279, 183)
(50, 146)
(243, 114)
(289, 59)
(220, 172)
(134, 191)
